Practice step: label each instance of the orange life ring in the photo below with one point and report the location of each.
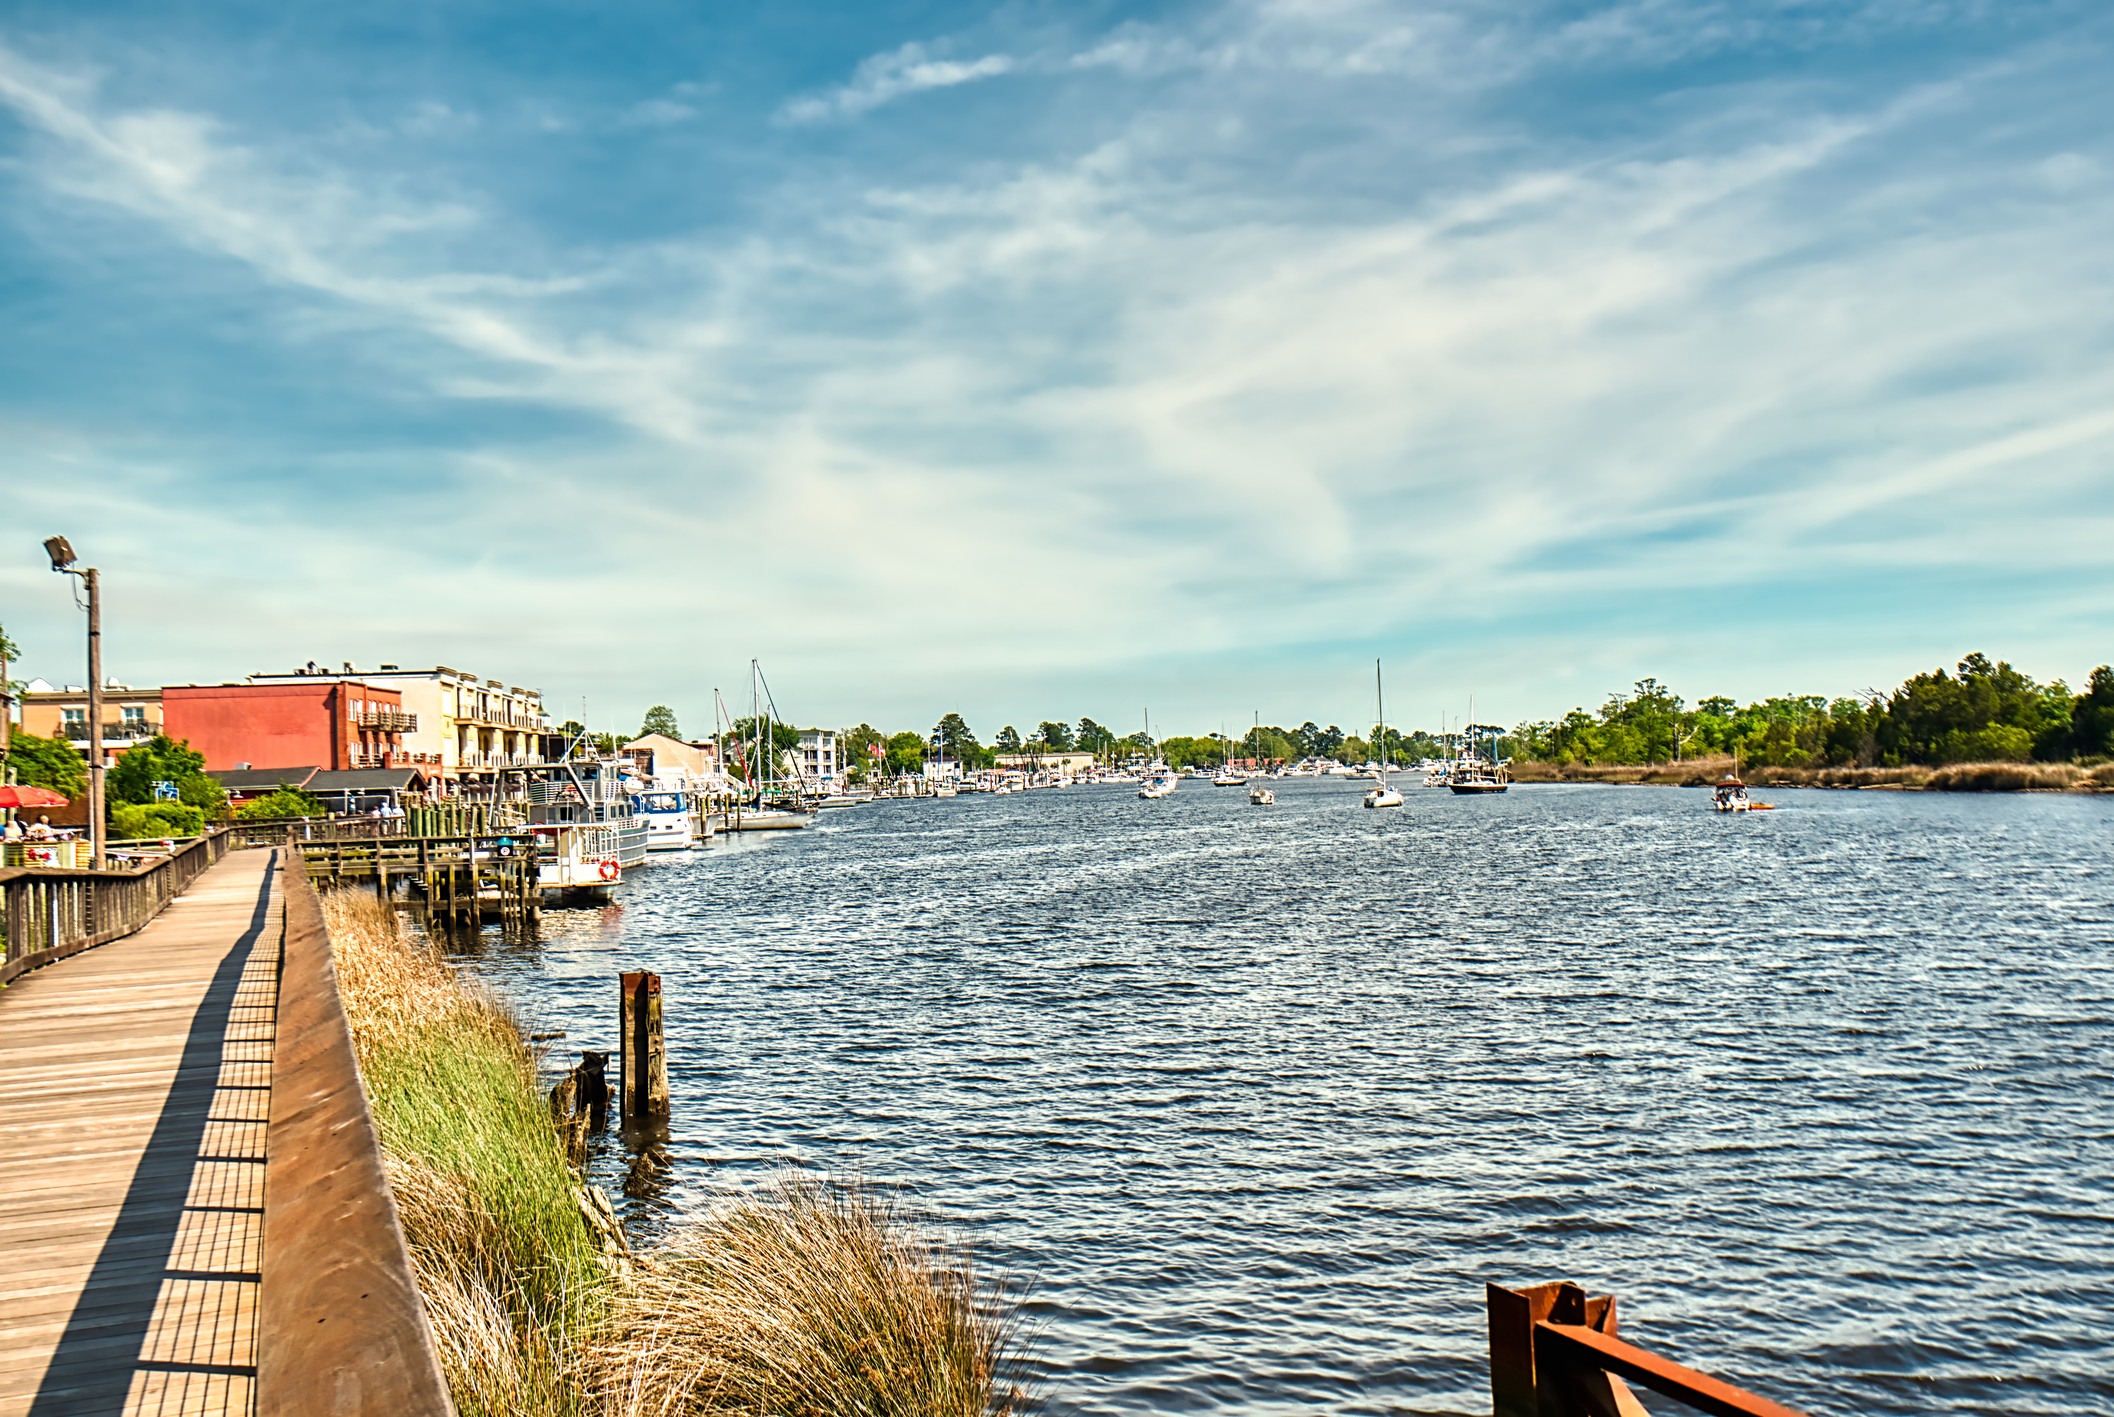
(611, 870)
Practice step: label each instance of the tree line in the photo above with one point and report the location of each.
(1981, 712)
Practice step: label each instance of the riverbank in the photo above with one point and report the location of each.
(805, 1295)
(1955, 777)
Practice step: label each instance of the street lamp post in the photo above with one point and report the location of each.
(62, 558)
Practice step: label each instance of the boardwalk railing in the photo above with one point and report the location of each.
(340, 1325)
(1554, 1353)
(49, 914)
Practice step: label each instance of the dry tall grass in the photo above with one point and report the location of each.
(809, 1299)
(813, 1299)
(2022, 777)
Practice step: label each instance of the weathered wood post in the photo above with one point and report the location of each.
(645, 1055)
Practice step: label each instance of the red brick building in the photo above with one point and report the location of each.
(335, 724)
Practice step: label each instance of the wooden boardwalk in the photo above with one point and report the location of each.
(135, 1082)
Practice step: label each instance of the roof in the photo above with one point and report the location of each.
(261, 779)
(368, 780)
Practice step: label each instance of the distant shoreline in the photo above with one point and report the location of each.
(1954, 777)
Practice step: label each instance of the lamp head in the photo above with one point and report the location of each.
(61, 552)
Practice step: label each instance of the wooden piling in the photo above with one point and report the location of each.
(645, 1054)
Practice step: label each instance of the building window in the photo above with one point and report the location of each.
(135, 715)
(73, 715)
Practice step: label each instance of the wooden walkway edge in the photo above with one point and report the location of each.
(135, 1085)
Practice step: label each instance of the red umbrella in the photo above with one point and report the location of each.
(31, 797)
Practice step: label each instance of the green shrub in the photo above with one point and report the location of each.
(284, 801)
(131, 821)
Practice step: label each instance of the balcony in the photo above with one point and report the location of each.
(501, 760)
(114, 731)
(388, 720)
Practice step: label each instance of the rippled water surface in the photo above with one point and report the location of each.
(1260, 1097)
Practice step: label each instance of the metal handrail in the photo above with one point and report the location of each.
(1556, 1353)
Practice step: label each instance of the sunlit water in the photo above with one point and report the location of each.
(1258, 1098)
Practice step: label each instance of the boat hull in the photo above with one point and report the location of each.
(1464, 789)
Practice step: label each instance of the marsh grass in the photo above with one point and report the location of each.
(2022, 777)
(806, 1298)
(515, 1286)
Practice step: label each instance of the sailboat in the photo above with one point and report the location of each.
(1382, 794)
(1259, 795)
(1227, 777)
(762, 810)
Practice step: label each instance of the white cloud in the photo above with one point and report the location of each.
(1069, 407)
(883, 78)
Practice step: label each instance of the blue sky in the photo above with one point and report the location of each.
(1039, 361)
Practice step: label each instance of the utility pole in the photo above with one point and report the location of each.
(62, 558)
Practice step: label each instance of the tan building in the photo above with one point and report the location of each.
(658, 755)
(470, 731)
(129, 715)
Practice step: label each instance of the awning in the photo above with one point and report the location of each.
(20, 796)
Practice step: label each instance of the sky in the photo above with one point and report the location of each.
(1037, 361)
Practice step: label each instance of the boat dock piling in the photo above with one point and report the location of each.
(645, 1054)
(1555, 1353)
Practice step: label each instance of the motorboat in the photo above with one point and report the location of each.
(670, 823)
(1160, 784)
(1260, 796)
(1730, 795)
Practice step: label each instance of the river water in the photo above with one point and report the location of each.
(1257, 1099)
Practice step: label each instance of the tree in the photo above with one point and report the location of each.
(162, 759)
(49, 762)
(660, 719)
(1007, 741)
(1093, 738)
(1057, 737)
(2092, 717)
(956, 741)
(855, 746)
(906, 752)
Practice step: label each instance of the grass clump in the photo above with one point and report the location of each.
(807, 1298)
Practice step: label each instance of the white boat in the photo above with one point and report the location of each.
(1730, 795)
(1159, 782)
(1260, 796)
(743, 818)
(666, 815)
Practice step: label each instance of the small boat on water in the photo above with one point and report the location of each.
(1730, 795)
(1260, 796)
(1160, 783)
(1382, 794)
(1472, 773)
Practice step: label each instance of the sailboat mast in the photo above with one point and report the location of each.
(1380, 707)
